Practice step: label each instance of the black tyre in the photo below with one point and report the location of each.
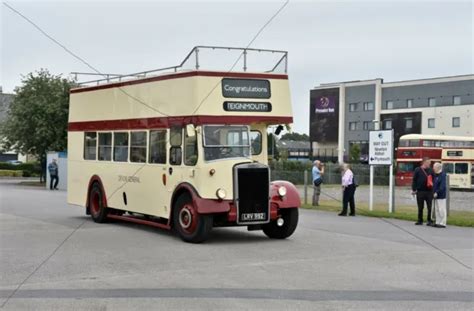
(188, 223)
(290, 218)
(97, 208)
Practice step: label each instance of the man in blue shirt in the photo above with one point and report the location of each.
(317, 173)
(53, 173)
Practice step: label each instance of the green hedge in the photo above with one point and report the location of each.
(29, 169)
(11, 173)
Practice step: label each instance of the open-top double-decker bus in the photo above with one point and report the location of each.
(182, 149)
(455, 152)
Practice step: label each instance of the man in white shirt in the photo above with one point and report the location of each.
(349, 188)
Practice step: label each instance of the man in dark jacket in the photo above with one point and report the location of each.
(422, 186)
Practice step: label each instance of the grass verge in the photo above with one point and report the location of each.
(455, 218)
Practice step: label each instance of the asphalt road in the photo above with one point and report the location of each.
(53, 257)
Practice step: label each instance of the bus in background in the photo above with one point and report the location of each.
(412, 148)
(459, 164)
(183, 149)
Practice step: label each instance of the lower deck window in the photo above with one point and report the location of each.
(138, 147)
(121, 147)
(90, 145)
(157, 147)
(105, 146)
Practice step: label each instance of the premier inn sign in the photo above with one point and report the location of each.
(245, 88)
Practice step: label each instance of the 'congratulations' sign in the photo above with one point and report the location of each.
(245, 88)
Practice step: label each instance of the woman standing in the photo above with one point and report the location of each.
(349, 188)
(439, 195)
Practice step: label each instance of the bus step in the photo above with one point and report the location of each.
(140, 221)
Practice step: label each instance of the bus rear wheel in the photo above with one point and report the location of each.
(191, 226)
(282, 231)
(97, 208)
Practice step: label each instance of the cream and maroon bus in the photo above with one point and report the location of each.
(182, 149)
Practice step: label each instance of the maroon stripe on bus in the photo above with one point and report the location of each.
(183, 75)
(165, 122)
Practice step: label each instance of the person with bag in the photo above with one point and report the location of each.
(422, 187)
(439, 195)
(317, 174)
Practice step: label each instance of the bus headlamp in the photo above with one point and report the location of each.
(282, 191)
(221, 194)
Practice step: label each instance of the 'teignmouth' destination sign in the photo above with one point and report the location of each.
(247, 106)
(245, 88)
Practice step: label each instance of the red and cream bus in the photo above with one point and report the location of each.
(455, 152)
(182, 149)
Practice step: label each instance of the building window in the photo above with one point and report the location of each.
(389, 104)
(90, 144)
(409, 103)
(353, 126)
(431, 102)
(368, 106)
(456, 100)
(456, 122)
(408, 123)
(431, 123)
(121, 147)
(157, 147)
(387, 124)
(353, 107)
(367, 125)
(138, 147)
(105, 146)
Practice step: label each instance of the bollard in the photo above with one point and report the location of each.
(448, 196)
(305, 187)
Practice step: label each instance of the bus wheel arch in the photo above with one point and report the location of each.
(96, 204)
(190, 225)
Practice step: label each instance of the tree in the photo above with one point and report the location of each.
(295, 136)
(38, 116)
(354, 153)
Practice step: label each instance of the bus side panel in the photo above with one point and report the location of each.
(76, 179)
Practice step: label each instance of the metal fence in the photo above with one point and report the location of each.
(332, 174)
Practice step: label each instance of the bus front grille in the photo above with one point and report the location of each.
(252, 193)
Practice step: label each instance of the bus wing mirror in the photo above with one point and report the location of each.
(190, 130)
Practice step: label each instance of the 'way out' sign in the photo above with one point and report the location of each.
(381, 147)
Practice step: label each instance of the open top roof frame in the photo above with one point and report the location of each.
(195, 51)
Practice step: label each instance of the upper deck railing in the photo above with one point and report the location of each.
(275, 61)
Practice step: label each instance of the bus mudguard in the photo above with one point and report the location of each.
(290, 200)
(204, 206)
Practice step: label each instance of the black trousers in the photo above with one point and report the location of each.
(348, 199)
(421, 198)
(55, 179)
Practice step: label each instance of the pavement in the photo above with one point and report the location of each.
(54, 257)
(459, 200)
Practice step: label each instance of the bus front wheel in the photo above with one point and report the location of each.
(276, 230)
(190, 225)
(97, 208)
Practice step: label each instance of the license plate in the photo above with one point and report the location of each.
(253, 216)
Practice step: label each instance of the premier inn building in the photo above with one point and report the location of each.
(342, 114)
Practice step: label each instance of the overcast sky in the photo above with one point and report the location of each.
(327, 41)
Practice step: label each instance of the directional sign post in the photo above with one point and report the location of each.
(381, 153)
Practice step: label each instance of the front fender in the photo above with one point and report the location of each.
(290, 200)
(203, 206)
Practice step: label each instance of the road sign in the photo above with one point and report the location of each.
(381, 147)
